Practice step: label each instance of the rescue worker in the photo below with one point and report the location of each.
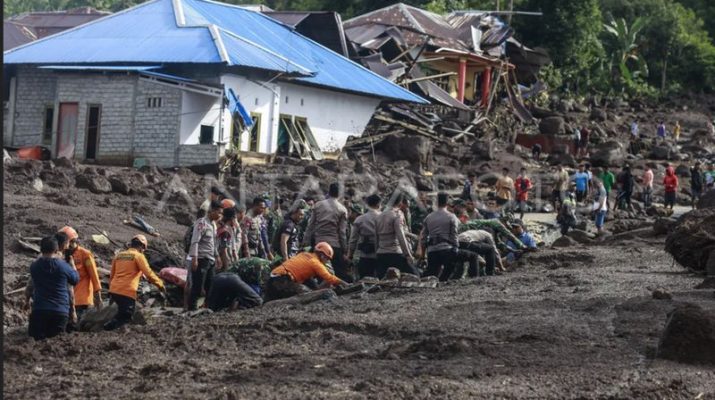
(362, 238)
(204, 254)
(392, 247)
(50, 304)
(287, 279)
(88, 291)
(471, 210)
(481, 242)
(567, 218)
(328, 223)
(127, 269)
(229, 291)
(439, 237)
(285, 243)
(225, 237)
(517, 228)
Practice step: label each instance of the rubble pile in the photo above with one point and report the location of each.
(692, 241)
(689, 336)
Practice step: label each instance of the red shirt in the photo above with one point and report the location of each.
(522, 186)
(671, 183)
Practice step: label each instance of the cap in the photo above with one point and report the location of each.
(516, 222)
(228, 203)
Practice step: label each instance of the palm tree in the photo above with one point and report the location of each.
(627, 48)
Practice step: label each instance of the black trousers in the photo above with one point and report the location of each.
(282, 287)
(340, 266)
(397, 260)
(484, 250)
(464, 255)
(440, 263)
(201, 280)
(227, 288)
(46, 324)
(125, 311)
(367, 267)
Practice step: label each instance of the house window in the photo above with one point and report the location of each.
(153, 102)
(47, 125)
(255, 136)
(207, 134)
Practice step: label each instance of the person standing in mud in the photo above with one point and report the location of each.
(522, 187)
(225, 238)
(393, 249)
(696, 184)
(647, 181)
(676, 131)
(561, 186)
(127, 269)
(503, 189)
(469, 184)
(254, 224)
(670, 181)
(439, 238)
(627, 183)
(567, 218)
(88, 291)
(50, 304)
(660, 131)
(608, 179)
(328, 223)
(581, 179)
(600, 206)
(362, 238)
(286, 242)
(204, 254)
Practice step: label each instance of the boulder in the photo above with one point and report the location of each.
(64, 162)
(565, 106)
(661, 294)
(610, 153)
(564, 241)
(578, 107)
(120, 185)
(598, 115)
(417, 150)
(95, 183)
(692, 241)
(562, 158)
(664, 152)
(682, 171)
(552, 126)
(483, 149)
(689, 336)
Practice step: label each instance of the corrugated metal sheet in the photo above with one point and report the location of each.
(14, 35)
(332, 70)
(101, 67)
(148, 33)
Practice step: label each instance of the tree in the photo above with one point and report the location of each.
(626, 49)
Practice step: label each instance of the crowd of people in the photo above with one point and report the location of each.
(310, 245)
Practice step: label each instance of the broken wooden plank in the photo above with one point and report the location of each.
(413, 128)
(430, 77)
(28, 246)
(137, 226)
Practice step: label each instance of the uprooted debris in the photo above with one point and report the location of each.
(692, 241)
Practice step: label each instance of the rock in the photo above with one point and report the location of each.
(682, 171)
(483, 150)
(661, 294)
(578, 107)
(598, 115)
(392, 273)
(562, 158)
(552, 126)
(539, 112)
(708, 283)
(610, 153)
(663, 152)
(707, 200)
(663, 225)
(689, 336)
(37, 184)
(416, 150)
(565, 106)
(95, 183)
(581, 236)
(120, 185)
(657, 211)
(6, 156)
(564, 241)
(692, 241)
(184, 218)
(64, 162)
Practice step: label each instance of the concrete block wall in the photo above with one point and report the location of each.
(197, 154)
(36, 89)
(157, 128)
(115, 94)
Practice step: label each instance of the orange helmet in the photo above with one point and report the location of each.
(325, 248)
(70, 232)
(142, 240)
(228, 203)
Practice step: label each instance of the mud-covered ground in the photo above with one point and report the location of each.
(578, 322)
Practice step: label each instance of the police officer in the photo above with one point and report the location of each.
(393, 249)
(362, 238)
(439, 236)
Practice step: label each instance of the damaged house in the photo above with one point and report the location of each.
(178, 82)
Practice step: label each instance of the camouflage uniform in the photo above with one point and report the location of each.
(252, 270)
(492, 225)
(256, 230)
(418, 215)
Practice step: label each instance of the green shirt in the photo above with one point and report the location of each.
(608, 179)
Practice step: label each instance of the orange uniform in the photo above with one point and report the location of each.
(127, 268)
(88, 277)
(304, 266)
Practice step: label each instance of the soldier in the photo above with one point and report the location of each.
(362, 238)
(285, 242)
(254, 224)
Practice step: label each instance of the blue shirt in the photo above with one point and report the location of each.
(525, 238)
(50, 277)
(581, 179)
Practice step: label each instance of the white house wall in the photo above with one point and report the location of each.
(196, 110)
(256, 99)
(331, 115)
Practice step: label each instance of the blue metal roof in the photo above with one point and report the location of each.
(101, 67)
(206, 32)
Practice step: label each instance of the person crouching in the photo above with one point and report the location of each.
(127, 268)
(287, 279)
